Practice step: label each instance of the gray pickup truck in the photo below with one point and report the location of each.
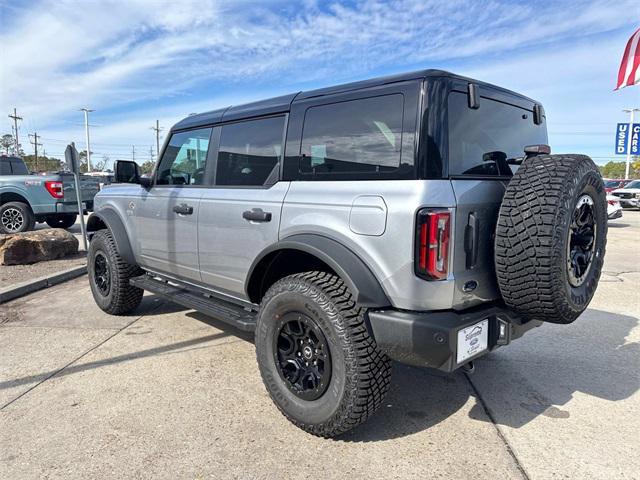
(419, 217)
(26, 199)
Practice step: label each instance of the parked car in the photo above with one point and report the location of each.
(352, 225)
(612, 184)
(629, 195)
(103, 178)
(26, 199)
(614, 209)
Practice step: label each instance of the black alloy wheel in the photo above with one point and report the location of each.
(102, 273)
(583, 233)
(302, 356)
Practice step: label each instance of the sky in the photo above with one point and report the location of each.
(138, 61)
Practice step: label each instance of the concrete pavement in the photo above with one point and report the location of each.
(169, 393)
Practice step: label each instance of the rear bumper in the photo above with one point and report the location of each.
(429, 339)
(72, 207)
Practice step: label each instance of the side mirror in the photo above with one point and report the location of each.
(126, 171)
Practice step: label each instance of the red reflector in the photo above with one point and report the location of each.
(432, 250)
(612, 202)
(55, 189)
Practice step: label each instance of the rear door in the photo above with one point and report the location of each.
(167, 214)
(240, 213)
(480, 143)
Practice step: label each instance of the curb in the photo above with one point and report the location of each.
(30, 286)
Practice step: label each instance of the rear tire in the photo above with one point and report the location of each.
(355, 373)
(109, 276)
(551, 237)
(16, 217)
(62, 220)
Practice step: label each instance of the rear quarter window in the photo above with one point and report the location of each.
(482, 140)
(353, 139)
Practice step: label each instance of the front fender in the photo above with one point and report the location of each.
(109, 218)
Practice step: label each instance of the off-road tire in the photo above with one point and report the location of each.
(28, 218)
(532, 235)
(121, 297)
(360, 373)
(62, 220)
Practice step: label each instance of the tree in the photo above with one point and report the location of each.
(7, 142)
(617, 169)
(45, 164)
(147, 167)
(100, 165)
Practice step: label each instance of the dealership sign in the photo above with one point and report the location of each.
(623, 137)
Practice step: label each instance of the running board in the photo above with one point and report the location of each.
(219, 309)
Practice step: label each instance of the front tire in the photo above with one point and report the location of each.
(312, 317)
(62, 220)
(109, 276)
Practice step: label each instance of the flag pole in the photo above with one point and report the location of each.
(629, 137)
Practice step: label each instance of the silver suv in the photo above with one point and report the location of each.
(418, 217)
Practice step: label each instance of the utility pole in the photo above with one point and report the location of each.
(151, 154)
(86, 131)
(157, 129)
(35, 144)
(15, 118)
(133, 153)
(631, 112)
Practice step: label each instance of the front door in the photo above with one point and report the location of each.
(240, 214)
(167, 214)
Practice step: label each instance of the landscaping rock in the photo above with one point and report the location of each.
(36, 246)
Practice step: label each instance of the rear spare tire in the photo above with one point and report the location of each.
(551, 237)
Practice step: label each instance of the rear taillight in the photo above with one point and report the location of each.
(613, 203)
(55, 189)
(432, 244)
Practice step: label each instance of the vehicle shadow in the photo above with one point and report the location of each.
(618, 225)
(535, 376)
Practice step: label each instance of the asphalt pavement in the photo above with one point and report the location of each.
(169, 393)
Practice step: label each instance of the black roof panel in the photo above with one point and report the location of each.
(283, 103)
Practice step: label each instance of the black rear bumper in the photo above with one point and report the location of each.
(429, 339)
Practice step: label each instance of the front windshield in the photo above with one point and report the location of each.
(611, 183)
(634, 184)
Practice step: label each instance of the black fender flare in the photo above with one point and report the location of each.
(363, 284)
(110, 219)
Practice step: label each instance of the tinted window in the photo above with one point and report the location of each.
(482, 140)
(5, 167)
(249, 151)
(185, 158)
(18, 167)
(358, 136)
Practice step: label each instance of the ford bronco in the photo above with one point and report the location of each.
(418, 217)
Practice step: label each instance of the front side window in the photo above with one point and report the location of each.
(481, 141)
(250, 151)
(185, 158)
(355, 137)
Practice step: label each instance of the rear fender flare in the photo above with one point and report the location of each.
(364, 286)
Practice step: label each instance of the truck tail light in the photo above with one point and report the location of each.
(432, 244)
(55, 189)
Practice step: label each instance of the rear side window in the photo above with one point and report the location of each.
(185, 158)
(249, 151)
(361, 136)
(482, 140)
(5, 167)
(19, 168)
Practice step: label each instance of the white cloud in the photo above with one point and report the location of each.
(135, 55)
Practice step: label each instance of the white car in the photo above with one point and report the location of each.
(614, 210)
(629, 196)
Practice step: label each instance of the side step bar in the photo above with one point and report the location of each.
(219, 309)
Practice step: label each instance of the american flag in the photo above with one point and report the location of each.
(629, 73)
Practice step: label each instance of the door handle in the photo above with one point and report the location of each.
(183, 209)
(257, 215)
